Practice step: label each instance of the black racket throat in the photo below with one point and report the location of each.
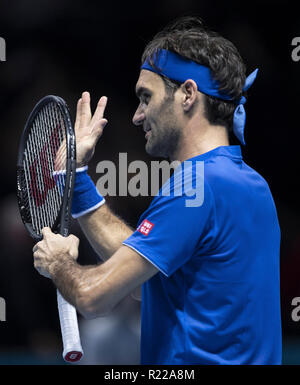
(46, 168)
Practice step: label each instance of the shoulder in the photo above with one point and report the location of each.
(187, 187)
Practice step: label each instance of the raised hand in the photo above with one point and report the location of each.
(88, 128)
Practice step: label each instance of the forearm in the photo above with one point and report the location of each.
(79, 285)
(105, 231)
(96, 290)
(67, 278)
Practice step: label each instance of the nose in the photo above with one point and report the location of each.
(138, 117)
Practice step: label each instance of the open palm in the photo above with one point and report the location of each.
(88, 128)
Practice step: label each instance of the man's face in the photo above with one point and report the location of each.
(158, 116)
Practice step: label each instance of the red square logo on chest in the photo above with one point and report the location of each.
(145, 227)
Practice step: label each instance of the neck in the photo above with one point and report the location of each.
(199, 139)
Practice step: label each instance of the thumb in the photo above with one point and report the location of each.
(46, 230)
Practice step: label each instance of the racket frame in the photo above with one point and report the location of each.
(63, 219)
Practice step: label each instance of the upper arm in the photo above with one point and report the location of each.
(106, 285)
(170, 233)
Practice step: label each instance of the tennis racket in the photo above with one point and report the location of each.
(45, 179)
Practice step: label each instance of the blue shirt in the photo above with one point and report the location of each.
(216, 297)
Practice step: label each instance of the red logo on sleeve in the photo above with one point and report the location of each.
(145, 227)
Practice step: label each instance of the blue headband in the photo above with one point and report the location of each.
(177, 68)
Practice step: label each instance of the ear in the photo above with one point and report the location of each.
(189, 89)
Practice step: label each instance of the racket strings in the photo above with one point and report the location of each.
(44, 167)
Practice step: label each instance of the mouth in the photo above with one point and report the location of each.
(147, 130)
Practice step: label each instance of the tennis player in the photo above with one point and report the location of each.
(209, 273)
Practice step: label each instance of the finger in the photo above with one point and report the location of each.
(97, 130)
(36, 255)
(99, 112)
(35, 263)
(85, 114)
(98, 115)
(46, 231)
(78, 113)
(74, 239)
(59, 163)
(37, 246)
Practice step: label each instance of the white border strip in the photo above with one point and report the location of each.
(75, 216)
(133, 248)
(60, 172)
(81, 169)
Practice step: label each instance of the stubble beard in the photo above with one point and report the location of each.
(164, 138)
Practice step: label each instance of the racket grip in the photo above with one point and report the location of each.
(69, 329)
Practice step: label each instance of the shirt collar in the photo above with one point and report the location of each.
(228, 151)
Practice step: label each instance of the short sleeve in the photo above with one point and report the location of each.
(171, 229)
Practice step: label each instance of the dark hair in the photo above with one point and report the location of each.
(188, 37)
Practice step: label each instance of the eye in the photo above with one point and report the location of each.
(145, 98)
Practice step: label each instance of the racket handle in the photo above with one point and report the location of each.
(69, 329)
